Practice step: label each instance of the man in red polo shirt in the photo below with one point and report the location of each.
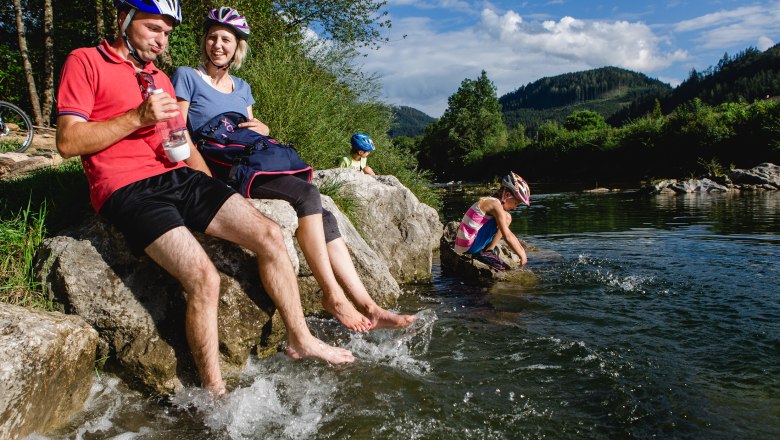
(105, 117)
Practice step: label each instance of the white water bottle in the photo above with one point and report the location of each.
(172, 132)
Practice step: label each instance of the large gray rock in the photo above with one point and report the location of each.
(401, 229)
(473, 270)
(138, 309)
(697, 186)
(46, 369)
(762, 177)
(764, 174)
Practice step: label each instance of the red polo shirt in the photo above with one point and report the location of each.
(97, 85)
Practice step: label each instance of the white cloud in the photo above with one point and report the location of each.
(764, 43)
(736, 27)
(427, 67)
(594, 43)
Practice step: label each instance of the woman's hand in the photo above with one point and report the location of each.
(255, 125)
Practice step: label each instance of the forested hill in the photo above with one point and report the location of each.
(605, 90)
(748, 75)
(408, 121)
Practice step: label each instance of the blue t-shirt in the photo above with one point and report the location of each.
(206, 101)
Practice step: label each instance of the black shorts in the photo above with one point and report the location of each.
(147, 209)
(302, 195)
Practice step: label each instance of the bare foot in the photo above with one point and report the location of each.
(217, 391)
(381, 318)
(320, 350)
(347, 314)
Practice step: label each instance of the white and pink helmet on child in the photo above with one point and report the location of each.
(227, 16)
(517, 186)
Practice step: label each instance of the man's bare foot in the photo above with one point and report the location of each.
(347, 314)
(217, 391)
(381, 318)
(320, 350)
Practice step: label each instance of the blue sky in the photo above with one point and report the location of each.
(518, 42)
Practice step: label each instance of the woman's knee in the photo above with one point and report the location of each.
(308, 201)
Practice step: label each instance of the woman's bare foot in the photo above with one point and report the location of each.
(381, 318)
(347, 314)
(320, 350)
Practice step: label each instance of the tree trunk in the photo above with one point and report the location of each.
(27, 67)
(48, 89)
(101, 27)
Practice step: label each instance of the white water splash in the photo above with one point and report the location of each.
(628, 284)
(283, 397)
(295, 398)
(631, 283)
(397, 348)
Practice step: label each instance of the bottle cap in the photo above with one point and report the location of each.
(156, 91)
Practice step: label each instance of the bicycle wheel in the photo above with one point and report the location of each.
(16, 129)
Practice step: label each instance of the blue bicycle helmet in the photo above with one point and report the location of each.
(361, 141)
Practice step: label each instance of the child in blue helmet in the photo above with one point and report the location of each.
(488, 220)
(362, 146)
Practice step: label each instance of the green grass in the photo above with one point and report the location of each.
(63, 190)
(31, 208)
(9, 146)
(20, 238)
(347, 203)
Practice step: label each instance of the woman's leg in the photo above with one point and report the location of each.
(347, 277)
(305, 199)
(311, 239)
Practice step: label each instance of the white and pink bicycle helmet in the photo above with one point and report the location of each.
(517, 186)
(227, 16)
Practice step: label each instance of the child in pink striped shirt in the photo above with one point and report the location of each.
(488, 220)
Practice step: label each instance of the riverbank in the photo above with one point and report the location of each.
(653, 317)
(137, 309)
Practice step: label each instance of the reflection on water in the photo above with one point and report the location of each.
(652, 317)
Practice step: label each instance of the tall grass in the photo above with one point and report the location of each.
(315, 108)
(20, 238)
(347, 203)
(31, 207)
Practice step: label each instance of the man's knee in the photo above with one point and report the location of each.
(266, 233)
(204, 282)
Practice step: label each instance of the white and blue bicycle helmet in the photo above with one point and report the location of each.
(170, 8)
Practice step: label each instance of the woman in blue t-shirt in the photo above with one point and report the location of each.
(208, 90)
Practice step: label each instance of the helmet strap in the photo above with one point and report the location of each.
(222, 67)
(130, 47)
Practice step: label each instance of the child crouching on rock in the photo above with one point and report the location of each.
(488, 220)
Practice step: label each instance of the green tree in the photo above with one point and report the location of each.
(471, 128)
(584, 120)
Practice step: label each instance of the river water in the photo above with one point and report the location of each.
(652, 317)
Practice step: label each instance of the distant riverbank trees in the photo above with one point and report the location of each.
(584, 147)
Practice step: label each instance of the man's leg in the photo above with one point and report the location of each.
(180, 254)
(239, 222)
(348, 277)
(311, 238)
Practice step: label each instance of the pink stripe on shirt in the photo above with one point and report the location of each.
(470, 225)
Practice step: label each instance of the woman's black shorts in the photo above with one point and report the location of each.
(302, 195)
